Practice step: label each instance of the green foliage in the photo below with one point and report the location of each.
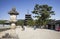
(30, 22)
(42, 13)
(20, 22)
(2, 21)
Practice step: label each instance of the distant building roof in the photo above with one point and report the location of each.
(52, 22)
(7, 21)
(57, 21)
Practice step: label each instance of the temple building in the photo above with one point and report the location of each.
(27, 17)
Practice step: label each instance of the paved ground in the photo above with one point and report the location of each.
(30, 33)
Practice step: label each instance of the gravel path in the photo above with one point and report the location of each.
(30, 33)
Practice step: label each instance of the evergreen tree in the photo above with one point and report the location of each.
(43, 13)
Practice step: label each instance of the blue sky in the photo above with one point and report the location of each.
(23, 5)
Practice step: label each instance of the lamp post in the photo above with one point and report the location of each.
(13, 17)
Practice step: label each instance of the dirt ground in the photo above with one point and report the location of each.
(30, 33)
